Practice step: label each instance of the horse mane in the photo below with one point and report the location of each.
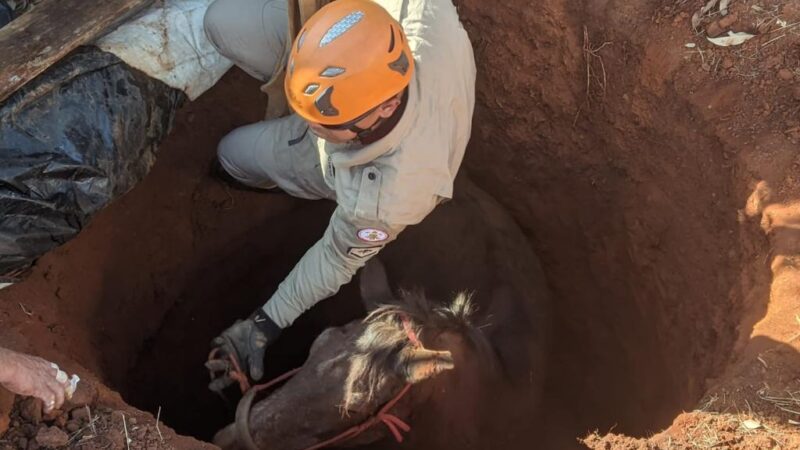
(376, 350)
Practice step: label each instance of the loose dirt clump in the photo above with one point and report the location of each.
(107, 428)
(91, 422)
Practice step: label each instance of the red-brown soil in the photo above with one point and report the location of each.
(662, 199)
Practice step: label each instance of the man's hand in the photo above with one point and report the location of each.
(246, 342)
(32, 376)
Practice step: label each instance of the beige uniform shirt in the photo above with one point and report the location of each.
(384, 187)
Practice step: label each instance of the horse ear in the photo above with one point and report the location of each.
(417, 364)
(374, 285)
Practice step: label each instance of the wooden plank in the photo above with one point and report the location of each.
(53, 28)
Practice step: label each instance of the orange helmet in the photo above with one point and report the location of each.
(349, 57)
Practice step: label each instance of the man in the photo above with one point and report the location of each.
(33, 376)
(383, 94)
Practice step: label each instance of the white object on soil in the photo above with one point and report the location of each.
(751, 424)
(168, 43)
(62, 377)
(733, 38)
(73, 386)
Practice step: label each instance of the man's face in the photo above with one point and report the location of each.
(384, 111)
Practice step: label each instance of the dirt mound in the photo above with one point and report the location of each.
(81, 427)
(93, 419)
(657, 182)
(705, 430)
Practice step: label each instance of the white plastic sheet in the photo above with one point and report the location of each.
(168, 43)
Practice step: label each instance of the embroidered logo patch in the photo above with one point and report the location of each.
(372, 235)
(363, 252)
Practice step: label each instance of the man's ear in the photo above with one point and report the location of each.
(388, 107)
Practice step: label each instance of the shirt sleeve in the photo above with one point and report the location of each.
(348, 243)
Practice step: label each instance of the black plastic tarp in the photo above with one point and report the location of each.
(72, 140)
(6, 13)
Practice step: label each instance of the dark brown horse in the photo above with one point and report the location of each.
(481, 322)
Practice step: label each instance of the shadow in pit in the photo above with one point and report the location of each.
(226, 282)
(182, 256)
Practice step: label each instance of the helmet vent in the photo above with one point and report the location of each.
(324, 104)
(400, 65)
(391, 38)
(331, 72)
(311, 89)
(301, 40)
(341, 27)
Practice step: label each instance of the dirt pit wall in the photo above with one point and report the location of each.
(627, 159)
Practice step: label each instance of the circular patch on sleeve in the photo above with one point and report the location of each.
(372, 235)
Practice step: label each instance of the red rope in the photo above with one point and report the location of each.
(236, 373)
(273, 382)
(395, 425)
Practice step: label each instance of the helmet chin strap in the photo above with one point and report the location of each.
(362, 133)
(382, 125)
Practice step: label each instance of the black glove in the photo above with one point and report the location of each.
(245, 341)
